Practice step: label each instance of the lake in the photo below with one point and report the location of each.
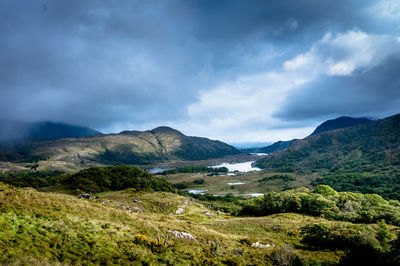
(236, 183)
(241, 167)
(259, 154)
(197, 191)
(158, 170)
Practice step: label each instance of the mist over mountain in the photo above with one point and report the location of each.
(36, 131)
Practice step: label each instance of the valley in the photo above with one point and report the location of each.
(123, 199)
(200, 132)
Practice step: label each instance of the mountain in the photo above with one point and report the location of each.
(376, 143)
(249, 145)
(17, 131)
(277, 146)
(128, 147)
(363, 158)
(341, 122)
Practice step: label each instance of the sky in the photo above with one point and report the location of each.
(237, 71)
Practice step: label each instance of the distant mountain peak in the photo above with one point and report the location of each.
(277, 146)
(341, 122)
(166, 130)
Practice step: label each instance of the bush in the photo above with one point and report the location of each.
(98, 179)
(199, 181)
(182, 185)
(35, 179)
(285, 255)
(285, 178)
(325, 202)
(364, 246)
(324, 190)
(194, 169)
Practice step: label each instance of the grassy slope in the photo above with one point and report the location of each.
(38, 227)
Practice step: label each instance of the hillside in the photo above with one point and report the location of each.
(365, 158)
(128, 147)
(160, 228)
(277, 146)
(17, 131)
(341, 122)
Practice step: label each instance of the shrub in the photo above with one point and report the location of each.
(98, 179)
(325, 202)
(35, 179)
(284, 177)
(284, 255)
(324, 190)
(199, 181)
(194, 169)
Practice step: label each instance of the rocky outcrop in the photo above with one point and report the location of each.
(182, 235)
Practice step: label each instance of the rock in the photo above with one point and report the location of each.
(238, 252)
(179, 211)
(207, 213)
(182, 235)
(259, 245)
(84, 196)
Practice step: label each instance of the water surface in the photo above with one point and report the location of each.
(241, 167)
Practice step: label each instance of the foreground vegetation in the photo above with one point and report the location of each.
(132, 227)
(133, 217)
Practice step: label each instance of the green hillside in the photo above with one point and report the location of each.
(363, 158)
(139, 228)
(128, 147)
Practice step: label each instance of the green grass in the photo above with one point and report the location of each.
(41, 227)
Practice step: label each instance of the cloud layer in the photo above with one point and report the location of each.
(238, 71)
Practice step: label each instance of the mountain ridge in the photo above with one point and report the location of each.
(128, 147)
(331, 124)
(341, 122)
(371, 147)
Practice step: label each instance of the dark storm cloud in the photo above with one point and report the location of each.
(373, 92)
(92, 64)
(96, 63)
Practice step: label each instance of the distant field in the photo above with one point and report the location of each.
(219, 184)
